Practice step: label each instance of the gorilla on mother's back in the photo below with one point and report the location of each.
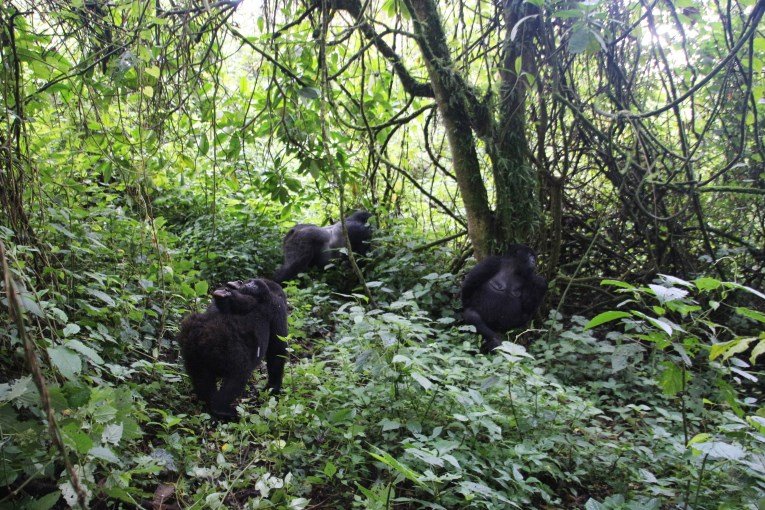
(501, 293)
(244, 324)
(308, 245)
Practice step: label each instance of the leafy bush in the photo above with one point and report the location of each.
(710, 434)
(240, 239)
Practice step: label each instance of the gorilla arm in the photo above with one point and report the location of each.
(474, 282)
(480, 274)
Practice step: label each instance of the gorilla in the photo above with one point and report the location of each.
(235, 297)
(227, 341)
(501, 293)
(308, 245)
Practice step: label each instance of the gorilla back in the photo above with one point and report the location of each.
(229, 344)
(308, 246)
(502, 293)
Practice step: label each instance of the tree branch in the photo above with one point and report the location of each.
(410, 84)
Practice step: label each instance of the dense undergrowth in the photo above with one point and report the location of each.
(653, 405)
(150, 151)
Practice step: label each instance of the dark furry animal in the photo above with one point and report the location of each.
(311, 246)
(239, 329)
(232, 299)
(501, 293)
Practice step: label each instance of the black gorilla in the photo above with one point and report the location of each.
(240, 328)
(234, 297)
(308, 245)
(501, 293)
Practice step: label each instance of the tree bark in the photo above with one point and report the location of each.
(453, 105)
(518, 211)
(466, 118)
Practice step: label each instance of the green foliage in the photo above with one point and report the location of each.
(390, 406)
(242, 238)
(672, 340)
(138, 172)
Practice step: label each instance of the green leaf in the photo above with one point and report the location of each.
(112, 433)
(617, 283)
(309, 92)
(389, 424)
(104, 413)
(512, 351)
(675, 280)
(750, 290)
(671, 380)
(103, 453)
(329, 469)
(485, 491)
(89, 352)
(568, 14)
(66, 361)
(666, 294)
(102, 296)
(751, 314)
(720, 450)
(17, 389)
(425, 457)
(758, 350)
(400, 358)
(622, 354)
(660, 323)
(604, 317)
(699, 438)
(152, 71)
(579, 39)
(424, 381)
(706, 283)
(397, 466)
(728, 349)
(71, 329)
(204, 145)
(201, 288)
(46, 502)
(593, 504)
(30, 305)
(75, 438)
(341, 415)
(234, 147)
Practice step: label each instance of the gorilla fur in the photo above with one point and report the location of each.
(308, 246)
(501, 293)
(238, 330)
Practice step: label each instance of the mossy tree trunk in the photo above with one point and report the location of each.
(516, 214)
(512, 215)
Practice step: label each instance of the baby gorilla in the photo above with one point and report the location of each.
(501, 293)
(240, 328)
(308, 245)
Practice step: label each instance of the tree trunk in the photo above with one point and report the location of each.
(518, 211)
(450, 93)
(466, 118)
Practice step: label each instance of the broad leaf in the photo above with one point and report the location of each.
(424, 381)
(666, 294)
(579, 39)
(66, 361)
(604, 317)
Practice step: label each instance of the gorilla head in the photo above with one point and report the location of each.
(501, 293)
(242, 326)
(311, 246)
(236, 297)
